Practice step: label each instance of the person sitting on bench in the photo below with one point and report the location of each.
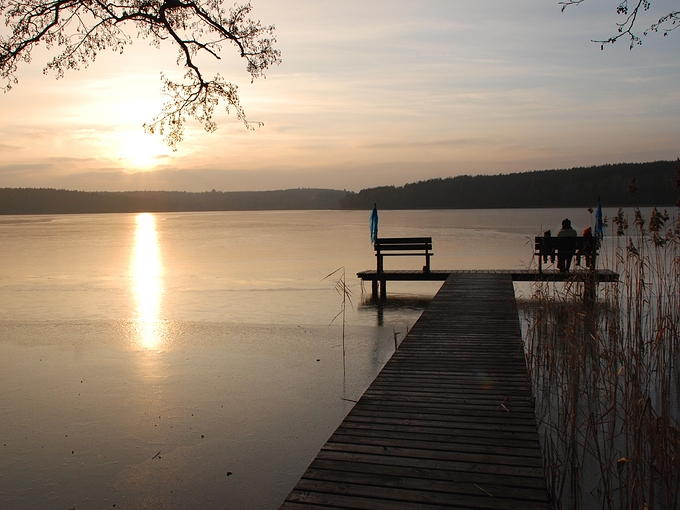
(564, 256)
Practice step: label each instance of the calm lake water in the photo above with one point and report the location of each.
(188, 360)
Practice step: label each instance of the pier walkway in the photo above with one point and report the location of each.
(518, 275)
(449, 421)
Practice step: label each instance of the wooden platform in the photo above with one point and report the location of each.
(517, 275)
(449, 421)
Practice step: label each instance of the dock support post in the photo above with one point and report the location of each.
(590, 289)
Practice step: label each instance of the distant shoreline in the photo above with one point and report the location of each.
(620, 185)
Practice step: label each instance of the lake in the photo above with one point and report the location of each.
(192, 360)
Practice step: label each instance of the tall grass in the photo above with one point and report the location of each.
(606, 375)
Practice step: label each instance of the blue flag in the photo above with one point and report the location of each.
(599, 223)
(374, 223)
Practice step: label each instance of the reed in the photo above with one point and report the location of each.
(346, 295)
(606, 375)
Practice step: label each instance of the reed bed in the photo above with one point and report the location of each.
(606, 373)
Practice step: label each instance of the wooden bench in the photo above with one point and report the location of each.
(398, 247)
(403, 247)
(551, 248)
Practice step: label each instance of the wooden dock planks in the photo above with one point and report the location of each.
(518, 275)
(449, 421)
(379, 280)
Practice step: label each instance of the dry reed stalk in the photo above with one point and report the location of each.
(606, 377)
(346, 294)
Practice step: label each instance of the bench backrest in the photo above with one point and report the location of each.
(402, 243)
(546, 245)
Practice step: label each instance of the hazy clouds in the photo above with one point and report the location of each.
(369, 93)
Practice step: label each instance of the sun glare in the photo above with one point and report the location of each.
(147, 275)
(141, 151)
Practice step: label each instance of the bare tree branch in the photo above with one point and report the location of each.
(627, 28)
(83, 28)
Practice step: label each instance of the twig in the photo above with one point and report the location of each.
(484, 491)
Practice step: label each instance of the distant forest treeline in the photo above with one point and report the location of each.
(577, 187)
(655, 184)
(56, 201)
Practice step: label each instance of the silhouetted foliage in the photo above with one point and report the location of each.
(630, 12)
(83, 28)
(577, 187)
(676, 181)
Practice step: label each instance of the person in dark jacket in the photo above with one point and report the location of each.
(564, 256)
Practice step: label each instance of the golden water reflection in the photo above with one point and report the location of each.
(147, 283)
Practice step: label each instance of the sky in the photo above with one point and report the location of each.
(369, 93)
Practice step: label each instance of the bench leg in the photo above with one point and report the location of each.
(383, 290)
(374, 289)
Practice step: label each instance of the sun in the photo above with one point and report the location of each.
(141, 151)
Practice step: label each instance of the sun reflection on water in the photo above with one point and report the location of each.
(147, 274)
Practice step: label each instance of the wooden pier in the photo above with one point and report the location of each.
(379, 280)
(449, 421)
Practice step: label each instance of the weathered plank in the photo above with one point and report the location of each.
(448, 423)
(380, 279)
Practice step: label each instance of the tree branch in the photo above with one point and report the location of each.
(82, 28)
(627, 28)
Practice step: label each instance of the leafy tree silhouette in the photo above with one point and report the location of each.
(79, 29)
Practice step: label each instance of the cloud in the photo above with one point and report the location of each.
(6, 147)
(384, 92)
(425, 144)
